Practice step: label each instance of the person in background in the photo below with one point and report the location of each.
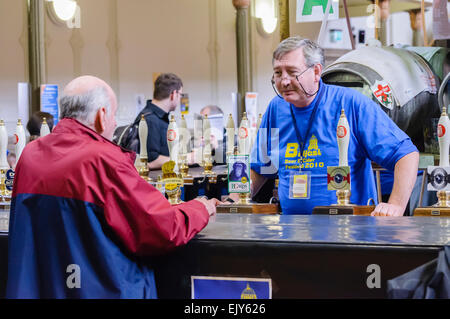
(34, 124)
(211, 110)
(166, 98)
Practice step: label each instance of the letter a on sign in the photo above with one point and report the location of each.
(74, 279)
(314, 10)
(374, 280)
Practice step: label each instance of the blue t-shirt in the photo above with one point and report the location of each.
(373, 137)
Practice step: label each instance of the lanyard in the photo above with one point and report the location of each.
(302, 143)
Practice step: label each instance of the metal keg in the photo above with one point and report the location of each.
(401, 81)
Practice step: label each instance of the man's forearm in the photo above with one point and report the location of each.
(158, 162)
(257, 182)
(405, 175)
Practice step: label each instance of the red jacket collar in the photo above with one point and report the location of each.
(72, 126)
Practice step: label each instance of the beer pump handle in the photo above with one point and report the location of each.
(258, 123)
(45, 130)
(3, 146)
(143, 135)
(230, 135)
(172, 139)
(343, 137)
(184, 135)
(244, 136)
(444, 138)
(206, 136)
(20, 139)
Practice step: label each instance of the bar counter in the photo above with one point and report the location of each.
(321, 229)
(316, 256)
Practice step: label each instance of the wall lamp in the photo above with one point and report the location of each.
(266, 17)
(62, 11)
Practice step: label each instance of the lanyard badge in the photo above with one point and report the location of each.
(300, 185)
(300, 181)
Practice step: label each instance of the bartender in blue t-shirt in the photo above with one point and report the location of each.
(297, 138)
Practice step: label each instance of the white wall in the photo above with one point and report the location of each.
(399, 27)
(13, 58)
(163, 36)
(125, 41)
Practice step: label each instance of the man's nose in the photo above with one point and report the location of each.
(285, 80)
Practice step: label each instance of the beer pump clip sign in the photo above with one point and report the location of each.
(338, 178)
(238, 174)
(170, 179)
(438, 178)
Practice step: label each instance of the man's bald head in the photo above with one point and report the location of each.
(84, 84)
(84, 96)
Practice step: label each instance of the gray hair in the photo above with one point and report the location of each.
(83, 107)
(311, 51)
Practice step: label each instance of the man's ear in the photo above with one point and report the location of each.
(172, 95)
(100, 120)
(318, 71)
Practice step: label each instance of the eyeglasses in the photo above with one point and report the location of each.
(278, 75)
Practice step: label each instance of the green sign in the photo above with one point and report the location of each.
(314, 10)
(309, 4)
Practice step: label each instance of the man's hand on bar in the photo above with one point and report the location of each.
(386, 209)
(210, 204)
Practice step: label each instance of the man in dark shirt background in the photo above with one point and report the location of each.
(166, 98)
(35, 122)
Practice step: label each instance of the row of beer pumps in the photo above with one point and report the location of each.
(7, 172)
(178, 139)
(437, 177)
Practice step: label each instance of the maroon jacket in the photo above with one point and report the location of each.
(78, 199)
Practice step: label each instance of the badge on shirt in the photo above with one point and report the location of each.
(338, 178)
(300, 185)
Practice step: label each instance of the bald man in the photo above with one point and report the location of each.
(81, 216)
